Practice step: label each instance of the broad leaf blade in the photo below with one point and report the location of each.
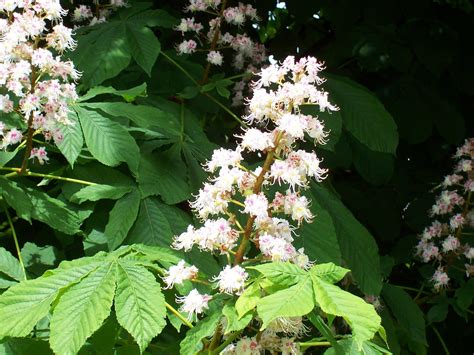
(10, 266)
(139, 303)
(82, 309)
(72, 142)
(108, 141)
(361, 316)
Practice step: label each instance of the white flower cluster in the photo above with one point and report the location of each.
(223, 31)
(246, 50)
(279, 337)
(85, 15)
(444, 241)
(237, 205)
(34, 80)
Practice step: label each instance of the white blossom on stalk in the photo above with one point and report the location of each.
(215, 58)
(178, 273)
(193, 303)
(256, 205)
(444, 241)
(231, 280)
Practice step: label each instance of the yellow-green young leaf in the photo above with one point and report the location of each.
(139, 303)
(248, 299)
(329, 272)
(24, 304)
(295, 301)
(282, 273)
(192, 343)
(82, 309)
(361, 316)
(233, 321)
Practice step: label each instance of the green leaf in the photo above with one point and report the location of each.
(121, 219)
(108, 141)
(102, 52)
(158, 17)
(82, 309)
(100, 192)
(329, 272)
(72, 142)
(24, 346)
(165, 256)
(139, 303)
(406, 312)
(53, 212)
(437, 313)
(10, 266)
(465, 295)
(294, 301)
(361, 316)
(141, 115)
(155, 223)
(319, 238)
(248, 299)
(234, 322)
(358, 247)
(281, 273)
(39, 259)
(191, 344)
(363, 114)
(128, 95)
(16, 198)
(144, 46)
(352, 347)
(164, 175)
(24, 304)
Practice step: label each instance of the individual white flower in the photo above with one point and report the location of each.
(254, 139)
(178, 273)
(186, 47)
(292, 326)
(248, 346)
(193, 303)
(215, 58)
(451, 243)
(469, 253)
(294, 125)
(440, 279)
(231, 280)
(224, 158)
(256, 205)
(185, 240)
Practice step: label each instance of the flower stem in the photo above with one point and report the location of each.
(45, 176)
(15, 239)
(314, 343)
(440, 338)
(225, 108)
(179, 315)
(256, 189)
(215, 39)
(229, 340)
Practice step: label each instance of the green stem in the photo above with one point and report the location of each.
(184, 71)
(443, 344)
(46, 176)
(225, 108)
(413, 289)
(229, 340)
(220, 104)
(179, 315)
(314, 343)
(15, 239)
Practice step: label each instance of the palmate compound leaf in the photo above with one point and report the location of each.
(139, 303)
(82, 309)
(361, 316)
(87, 287)
(24, 304)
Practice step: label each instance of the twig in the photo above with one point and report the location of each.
(18, 171)
(15, 239)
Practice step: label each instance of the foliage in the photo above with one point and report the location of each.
(85, 238)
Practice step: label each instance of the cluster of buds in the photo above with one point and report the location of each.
(85, 15)
(239, 204)
(445, 242)
(34, 80)
(223, 31)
